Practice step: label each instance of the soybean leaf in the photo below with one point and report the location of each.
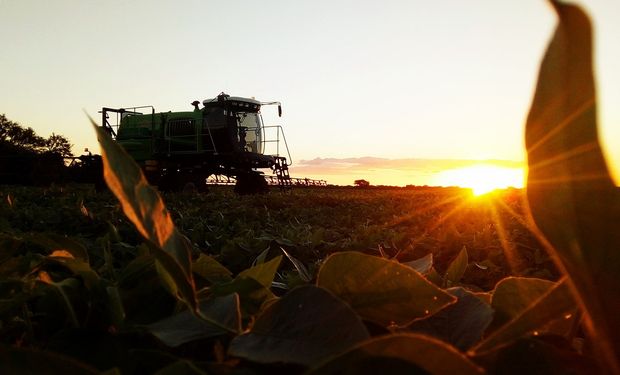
(304, 275)
(307, 325)
(185, 327)
(79, 268)
(381, 290)
(251, 293)
(422, 265)
(457, 268)
(513, 295)
(553, 305)
(144, 207)
(403, 353)
(53, 242)
(264, 272)
(461, 324)
(573, 200)
(212, 270)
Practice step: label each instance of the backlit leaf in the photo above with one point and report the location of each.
(55, 242)
(381, 290)
(553, 305)
(264, 272)
(422, 265)
(403, 353)
(457, 268)
(573, 200)
(299, 266)
(513, 295)
(305, 326)
(144, 207)
(211, 270)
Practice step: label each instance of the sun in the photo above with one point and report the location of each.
(482, 178)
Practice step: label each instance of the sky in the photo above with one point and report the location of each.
(397, 80)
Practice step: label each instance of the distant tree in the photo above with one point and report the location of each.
(58, 144)
(361, 183)
(15, 137)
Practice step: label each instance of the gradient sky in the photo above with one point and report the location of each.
(391, 79)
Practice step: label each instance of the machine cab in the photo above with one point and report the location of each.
(232, 124)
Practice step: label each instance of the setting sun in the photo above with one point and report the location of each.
(482, 178)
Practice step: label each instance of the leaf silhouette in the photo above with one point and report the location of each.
(144, 207)
(572, 197)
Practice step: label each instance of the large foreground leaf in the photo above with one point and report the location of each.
(306, 326)
(144, 207)
(572, 197)
(400, 354)
(381, 290)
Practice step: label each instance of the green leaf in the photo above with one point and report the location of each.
(573, 200)
(457, 268)
(513, 295)
(461, 324)
(403, 353)
(305, 326)
(304, 275)
(422, 265)
(212, 270)
(53, 242)
(80, 268)
(251, 293)
(144, 207)
(381, 290)
(552, 306)
(264, 272)
(185, 326)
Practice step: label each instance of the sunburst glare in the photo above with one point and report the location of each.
(482, 178)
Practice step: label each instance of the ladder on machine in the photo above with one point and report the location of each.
(281, 170)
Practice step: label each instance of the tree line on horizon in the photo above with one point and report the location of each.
(29, 159)
(17, 139)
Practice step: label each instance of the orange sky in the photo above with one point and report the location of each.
(398, 172)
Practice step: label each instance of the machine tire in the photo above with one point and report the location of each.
(251, 183)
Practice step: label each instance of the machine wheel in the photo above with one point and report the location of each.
(251, 183)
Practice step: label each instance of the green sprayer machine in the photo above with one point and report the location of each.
(225, 138)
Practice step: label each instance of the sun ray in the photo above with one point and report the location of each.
(542, 139)
(509, 250)
(441, 220)
(579, 150)
(422, 210)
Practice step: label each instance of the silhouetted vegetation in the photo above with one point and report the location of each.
(27, 158)
(361, 183)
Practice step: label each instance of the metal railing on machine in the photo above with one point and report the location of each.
(217, 179)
